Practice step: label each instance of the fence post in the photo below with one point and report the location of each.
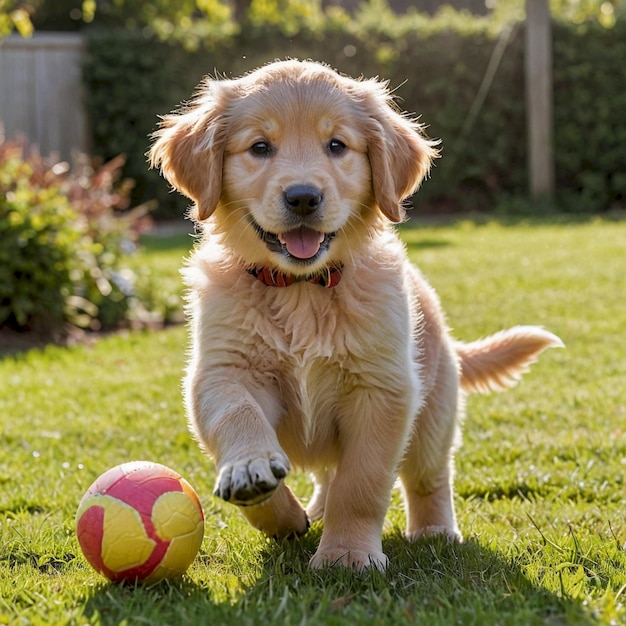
(538, 81)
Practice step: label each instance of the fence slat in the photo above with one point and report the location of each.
(41, 94)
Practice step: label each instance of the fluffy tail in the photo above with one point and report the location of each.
(500, 360)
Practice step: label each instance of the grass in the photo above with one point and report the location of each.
(540, 478)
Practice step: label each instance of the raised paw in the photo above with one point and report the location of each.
(251, 480)
(358, 560)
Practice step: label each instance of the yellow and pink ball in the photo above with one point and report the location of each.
(140, 521)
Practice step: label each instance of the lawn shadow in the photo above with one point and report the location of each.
(415, 239)
(170, 235)
(429, 581)
(538, 218)
(166, 603)
(476, 581)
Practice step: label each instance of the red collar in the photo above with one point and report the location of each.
(329, 277)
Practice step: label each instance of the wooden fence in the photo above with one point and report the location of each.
(41, 94)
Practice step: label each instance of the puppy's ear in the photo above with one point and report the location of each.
(400, 156)
(189, 147)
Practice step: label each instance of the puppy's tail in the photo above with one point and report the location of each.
(498, 361)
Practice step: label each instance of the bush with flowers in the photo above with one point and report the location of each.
(66, 233)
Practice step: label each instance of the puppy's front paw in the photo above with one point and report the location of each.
(358, 560)
(251, 480)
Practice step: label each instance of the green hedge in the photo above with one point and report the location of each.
(131, 79)
(437, 67)
(590, 116)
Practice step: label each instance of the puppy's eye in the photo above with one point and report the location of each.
(335, 146)
(261, 149)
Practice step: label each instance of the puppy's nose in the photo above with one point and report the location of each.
(303, 199)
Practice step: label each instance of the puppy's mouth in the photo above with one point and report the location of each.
(302, 244)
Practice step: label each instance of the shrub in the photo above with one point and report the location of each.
(63, 235)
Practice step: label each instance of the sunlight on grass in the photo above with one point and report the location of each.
(540, 476)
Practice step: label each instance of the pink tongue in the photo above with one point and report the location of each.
(303, 242)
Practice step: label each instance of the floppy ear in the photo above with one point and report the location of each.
(189, 147)
(400, 156)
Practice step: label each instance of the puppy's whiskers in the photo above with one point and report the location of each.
(243, 223)
(350, 229)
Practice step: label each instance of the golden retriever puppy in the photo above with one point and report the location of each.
(315, 343)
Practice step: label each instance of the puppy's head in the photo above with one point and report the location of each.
(293, 161)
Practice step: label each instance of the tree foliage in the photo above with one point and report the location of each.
(14, 16)
(199, 21)
(194, 20)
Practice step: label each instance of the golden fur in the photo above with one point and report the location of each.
(296, 168)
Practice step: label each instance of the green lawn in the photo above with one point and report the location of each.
(540, 478)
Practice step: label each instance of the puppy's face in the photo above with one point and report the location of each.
(296, 175)
(293, 162)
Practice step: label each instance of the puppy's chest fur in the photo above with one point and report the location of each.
(318, 348)
(309, 349)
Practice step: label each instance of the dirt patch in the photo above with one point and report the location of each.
(14, 342)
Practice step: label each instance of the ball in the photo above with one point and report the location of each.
(140, 521)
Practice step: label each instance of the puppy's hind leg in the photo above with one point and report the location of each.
(427, 471)
(317, 503)
(280, 517)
